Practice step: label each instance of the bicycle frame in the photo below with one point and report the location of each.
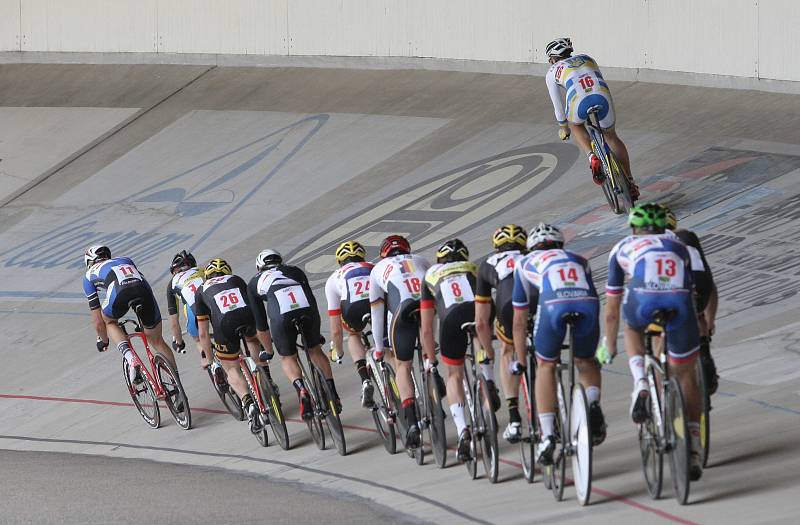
(151, 377)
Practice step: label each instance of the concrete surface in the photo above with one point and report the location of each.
(231, 160)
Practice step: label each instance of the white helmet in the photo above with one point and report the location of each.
(559, 47)
(96, 253)
(268, 259)
(543, 234)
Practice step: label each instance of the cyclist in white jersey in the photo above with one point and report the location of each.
(395, 290)
(577, 79)
(181, 289)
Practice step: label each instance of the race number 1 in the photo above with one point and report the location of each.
(291, 298)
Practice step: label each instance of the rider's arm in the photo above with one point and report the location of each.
(483, 308)
(520, 301)
(94, 306)
(172, 309)
(265, 339)
(334, 312)
(711, 309)
(377, 309)
(614, 293)
(205, 336)
(427, 307)
(257, 306)
(99, 325)
(556, 96)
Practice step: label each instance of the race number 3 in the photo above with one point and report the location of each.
(126, 272)
(455, 290)
(291, 298)
(228, 300)
(358, 288)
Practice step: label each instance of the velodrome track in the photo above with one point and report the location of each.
(226, 161)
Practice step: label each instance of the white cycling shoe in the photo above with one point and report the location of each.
(513, 432)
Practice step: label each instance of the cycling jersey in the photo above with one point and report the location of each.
(289, 299)
(223, 300)
(184, 284)
(347, 292)
(449, 288)
(395, 289)
(659, 268)
(120, 283)
(497, 272)
(564, 284)
(580, 79)
(703, 281)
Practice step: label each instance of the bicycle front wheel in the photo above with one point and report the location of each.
(228, 397)
(677, 428)
(315, 421)
(469, 414)
(651, 439)
(581, 441)
(274, 411)
(328, 401)
(436, 418)
(622, 187)
(488, 432)
(705, 413)
(384, 423)
(176, 399)
(529, 426)
(558, 470)
(144, 398)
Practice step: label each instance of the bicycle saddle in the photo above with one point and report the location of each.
(468, 327)
(662, 317)
(135, 304)
(571, 317)
(594, 109)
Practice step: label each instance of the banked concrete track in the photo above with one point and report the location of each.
(152, 159)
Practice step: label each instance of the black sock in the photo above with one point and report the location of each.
(513, 410)
(410, 411)
(332, 386)
(361, 368)
(298, 385)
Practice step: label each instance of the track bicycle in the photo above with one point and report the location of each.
(531, 434)
(616, 186)
(219, 380)
(481, 418)
(384, 407)
(159, 382)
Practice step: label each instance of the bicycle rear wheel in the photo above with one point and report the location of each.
(380, 413)
(334, 422)
(274, 410)
(581, 440)
(623, 187)
(436, 418)
(678, 437)
(315, 421)
(705, 413)
(144, 398)
(651, 439)
(176, 399)
(558, 470)
(530, 426)
(228, 397)
(488, 433)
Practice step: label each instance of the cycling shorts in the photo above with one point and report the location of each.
(226, 334)
(403, 330)
(452, 339)
(353, 315)
(551, 328)
(121, 296)
(578, 107)
(504, 323)
(284, 332)
(683, 339)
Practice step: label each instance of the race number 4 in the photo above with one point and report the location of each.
(228, 300)
(455, 290)
(291, 298)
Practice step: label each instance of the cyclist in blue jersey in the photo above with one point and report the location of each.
(659, 270)
(111, 285)
(181, 289)
(559, 282)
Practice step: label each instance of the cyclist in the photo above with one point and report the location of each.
(288, 297)
(579, 79)
(448, 291)
(659, 270)
(395, 289)
(186, 279)
(706, 300)
(347, 292)
(120, 283)
(563, 284)
(497, 273)
(222, 299)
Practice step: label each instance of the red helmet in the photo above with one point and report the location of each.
(395, 244)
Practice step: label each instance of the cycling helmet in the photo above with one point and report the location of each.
(217, 267)
(268, 259)
(350, 250)
(182, 260)
(96, 253)
(560, 47)
(451, 251)
(509, 237)
(545, 236)
(650, 217)
(395, 244)
(672, 220)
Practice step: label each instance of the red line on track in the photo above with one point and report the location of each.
(610, 495)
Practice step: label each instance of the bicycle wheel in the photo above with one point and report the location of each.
(380, 414)
(472, 463)
(623, 187)
(651, 442)
(581, 441)
(228, 397)
(705, 413)
(176, 399)
(488, 432)
(315, 421)
(437, 428)
(678, 438)
(558, 470)
(527, 445)
(334, 422)
(144, 398)
(420, 405)
(274, 414)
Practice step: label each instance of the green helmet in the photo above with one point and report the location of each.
(649, 216)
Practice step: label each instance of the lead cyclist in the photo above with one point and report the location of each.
(577, 82)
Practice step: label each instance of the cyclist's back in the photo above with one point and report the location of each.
(578, 81)
(183, 286)
(120, 282)
(347, 293)
(223, 301)
(496, 273)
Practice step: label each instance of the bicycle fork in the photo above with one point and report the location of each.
(383, 386)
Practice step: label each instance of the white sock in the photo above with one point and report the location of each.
(547, 420)
(124, 348)
(488, 370)
(593, 394)
(636, 363)
(457, 411)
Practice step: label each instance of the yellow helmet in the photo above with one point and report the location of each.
(509, 237)
(672, 220)
(350, 249)
(216, 267)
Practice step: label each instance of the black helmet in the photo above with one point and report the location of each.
(451, 251)
(182, 259)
